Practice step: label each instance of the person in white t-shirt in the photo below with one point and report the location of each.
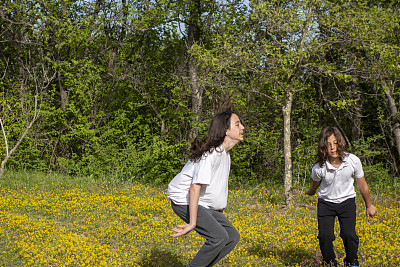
(199, 193)
(334, 173)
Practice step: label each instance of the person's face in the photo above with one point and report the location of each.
(235, 132)
(332, 147)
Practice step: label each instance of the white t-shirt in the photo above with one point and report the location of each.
(212, 172)
(337, 184)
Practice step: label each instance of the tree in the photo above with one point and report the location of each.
(364, 40)
(274, 45)
(21, 138)
(26, 75)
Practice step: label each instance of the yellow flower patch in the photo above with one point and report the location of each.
(129, 225)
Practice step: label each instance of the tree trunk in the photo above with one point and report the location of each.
(197, 97)
(356, 126)
(63, 93)
(395, 125)
(287, 147)
(196, 89)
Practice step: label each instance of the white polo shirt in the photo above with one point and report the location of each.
(337, 184)
(212, 172)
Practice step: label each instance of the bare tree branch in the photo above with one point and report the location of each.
(9, 153)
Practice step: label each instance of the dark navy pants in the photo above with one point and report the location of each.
(346, 213)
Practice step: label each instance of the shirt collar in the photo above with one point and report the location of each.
(344, 163)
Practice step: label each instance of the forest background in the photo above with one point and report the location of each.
(118, 89)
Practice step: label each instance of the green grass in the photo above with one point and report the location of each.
(55, 220)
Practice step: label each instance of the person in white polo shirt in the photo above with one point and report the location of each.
(199, 193)
(334, 173)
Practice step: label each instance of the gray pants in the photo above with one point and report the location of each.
(221, 236)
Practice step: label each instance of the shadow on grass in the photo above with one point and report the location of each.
(159, 258)
(289, 256)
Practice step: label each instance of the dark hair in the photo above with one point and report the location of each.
(216, 135)
(322, 155)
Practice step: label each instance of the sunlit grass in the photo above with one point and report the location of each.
(49, 223)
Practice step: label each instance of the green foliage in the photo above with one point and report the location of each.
(121, 71)
(257, 159)
(161, 162)
(379, 178)
(369, 148)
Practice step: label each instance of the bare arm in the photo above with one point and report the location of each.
(364, 190)
(313, 188)
(194, 195)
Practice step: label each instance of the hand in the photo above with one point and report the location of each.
(371, 211)
(182, 229)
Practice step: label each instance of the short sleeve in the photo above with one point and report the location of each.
(316, 173)
(202, 174)
(358, 170)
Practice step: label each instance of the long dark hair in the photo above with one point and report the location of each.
(214, 138)
(322, 155)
